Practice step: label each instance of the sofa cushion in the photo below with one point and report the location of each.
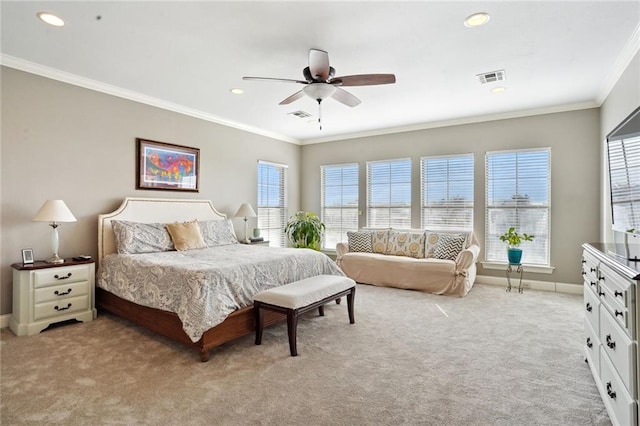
(379, 240)
(432, 238)
(449, 246)
(360, 241)
(405, 243)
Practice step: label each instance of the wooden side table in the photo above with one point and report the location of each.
(46, 293)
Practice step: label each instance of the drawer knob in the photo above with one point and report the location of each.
(619, 313)
(589, 307)
(584, 261)
(601, 293)
(601, 277)
(617, 293)
(58, 308)
(584, 273)
(592, 269)
(592, 283)
(589, 342)
(58, 277)
(64, 293)
(610, 391)
(610, 342)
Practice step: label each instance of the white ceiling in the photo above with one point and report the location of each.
(186, 56)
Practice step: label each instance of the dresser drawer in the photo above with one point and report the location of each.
(60, 307)
(592, 309)
(620, 288)
(589, 268)
(621, 407)
(619, 348)
(54, 276)
(62, 291)
(592, 346)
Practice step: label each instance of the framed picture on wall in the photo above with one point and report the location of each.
(167, 167)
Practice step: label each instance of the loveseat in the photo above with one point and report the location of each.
(435, 262)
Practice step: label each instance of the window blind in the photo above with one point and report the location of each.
(624, 171)
(339, 202)
(272, 202)
(447, 192)
(518, 194)
(389, 193)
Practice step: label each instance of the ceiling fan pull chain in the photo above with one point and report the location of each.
(320, 113)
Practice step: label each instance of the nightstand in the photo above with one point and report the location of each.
(45, 293)
(259, 243)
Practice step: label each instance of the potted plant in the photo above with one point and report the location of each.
(304, 230)
(513, 240)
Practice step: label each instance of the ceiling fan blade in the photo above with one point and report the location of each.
(319, 64)
(345, 97)
(364, 80)
(283, 80)
(299, 94)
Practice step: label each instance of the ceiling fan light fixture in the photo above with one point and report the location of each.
(319, 91)
(50, 19)
(477, 20)
(236, 91)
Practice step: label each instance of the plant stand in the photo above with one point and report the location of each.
(518, 269)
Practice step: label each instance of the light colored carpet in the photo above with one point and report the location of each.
(491, 358)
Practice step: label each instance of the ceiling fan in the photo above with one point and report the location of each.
(320, 82)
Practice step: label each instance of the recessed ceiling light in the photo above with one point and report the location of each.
(477, 19)
(237, 91)
(50, 19)
(499, 89)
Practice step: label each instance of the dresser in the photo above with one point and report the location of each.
(45, 293)
(611, 329)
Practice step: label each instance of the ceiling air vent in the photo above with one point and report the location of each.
(491, 76)
(300, 114)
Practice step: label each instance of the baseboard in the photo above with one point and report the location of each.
(4, 320)
(531, 284)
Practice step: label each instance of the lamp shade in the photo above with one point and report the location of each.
(245, 210)
(54, 211)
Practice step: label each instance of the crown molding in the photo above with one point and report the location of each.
(76, 80)
(625, 57)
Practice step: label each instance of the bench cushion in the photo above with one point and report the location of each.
(305, 292)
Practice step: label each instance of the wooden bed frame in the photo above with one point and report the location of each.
(165, 210)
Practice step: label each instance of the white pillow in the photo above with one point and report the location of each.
(218, 232)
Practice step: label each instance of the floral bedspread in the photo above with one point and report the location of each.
(204, 286)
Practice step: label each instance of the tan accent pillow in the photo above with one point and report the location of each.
(186, 235)
(402, 243)
(379, 240)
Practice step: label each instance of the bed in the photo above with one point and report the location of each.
(201, 298)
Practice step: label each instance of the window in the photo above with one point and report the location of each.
(339, 203)
(518, 194)
(447, 192)
(389, 194)
(272, 202)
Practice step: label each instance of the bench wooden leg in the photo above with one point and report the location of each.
(259, 322)
(321, 310)
(350, 298)
(292, 328)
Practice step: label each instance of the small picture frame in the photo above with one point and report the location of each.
(27, 256)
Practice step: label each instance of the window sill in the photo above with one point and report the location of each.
(502, 266)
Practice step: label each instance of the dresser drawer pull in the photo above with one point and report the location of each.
(57, 308)
(592, 283)
(589, 342)
(619, 314)
(583, 261)
(610, 392)
(64, 293)
(584, 273)
(610, 342)
(592, 269)
(617, 293)
(589, 307)
(57, 277)
(601, 277)
(601, 293)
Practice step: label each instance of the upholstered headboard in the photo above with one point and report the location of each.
(152, 210)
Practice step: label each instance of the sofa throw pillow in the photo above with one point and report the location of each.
(449, 246)
(186, 235)
(138, 238)
(379, 238)
(403, 243)
(218, 232)
(360, 241)
(432, 238)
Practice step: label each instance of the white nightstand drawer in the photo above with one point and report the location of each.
(622, 407)
(60, 307)
(60, 275)
(620, 349)
(61, 291)
(592, 346)
(592, 309)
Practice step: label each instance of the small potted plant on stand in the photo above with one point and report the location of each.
(513, 240)
(304, 230)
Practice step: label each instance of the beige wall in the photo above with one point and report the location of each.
(575, 159)
(63, 141)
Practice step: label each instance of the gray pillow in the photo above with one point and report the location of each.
(360, 241)
(218, 232)
(137, 237)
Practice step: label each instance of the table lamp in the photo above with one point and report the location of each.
(54, 211)
(245, 211)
